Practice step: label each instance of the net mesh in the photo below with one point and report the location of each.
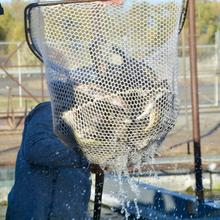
(112, 74)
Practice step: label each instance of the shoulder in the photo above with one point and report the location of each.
(43, 105)
(42, 111)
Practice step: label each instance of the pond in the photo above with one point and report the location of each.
(151, 200)
(107, 214)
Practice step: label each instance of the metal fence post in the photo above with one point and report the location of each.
(217, 48)
(19, 75)
(195, 102)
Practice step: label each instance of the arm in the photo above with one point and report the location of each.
(40, 146)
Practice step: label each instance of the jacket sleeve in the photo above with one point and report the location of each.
(41, 147)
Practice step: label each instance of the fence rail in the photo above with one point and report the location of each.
(23, 75)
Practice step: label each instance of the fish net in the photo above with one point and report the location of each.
(112, 73)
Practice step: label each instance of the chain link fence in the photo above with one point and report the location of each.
(22, 83)
(17, 60)
(22, 86)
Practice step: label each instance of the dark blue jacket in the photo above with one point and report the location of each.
(51, 180)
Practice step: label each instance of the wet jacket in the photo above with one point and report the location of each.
(51, 181)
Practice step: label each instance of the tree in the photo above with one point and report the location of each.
(5, 21)
(208, 21)
(12, 22)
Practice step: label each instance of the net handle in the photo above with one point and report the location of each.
(99, 184)
(183, 15)
(27, 30)
(27, 20)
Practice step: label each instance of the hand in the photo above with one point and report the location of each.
(95, 168)
(111, 2)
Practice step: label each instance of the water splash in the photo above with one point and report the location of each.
(126, 176)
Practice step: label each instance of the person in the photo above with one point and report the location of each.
(52, 181)
(1, 10)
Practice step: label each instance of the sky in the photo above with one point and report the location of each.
(2, 1)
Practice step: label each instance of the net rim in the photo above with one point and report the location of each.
(27, 19)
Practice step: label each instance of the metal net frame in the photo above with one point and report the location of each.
(111, 72)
